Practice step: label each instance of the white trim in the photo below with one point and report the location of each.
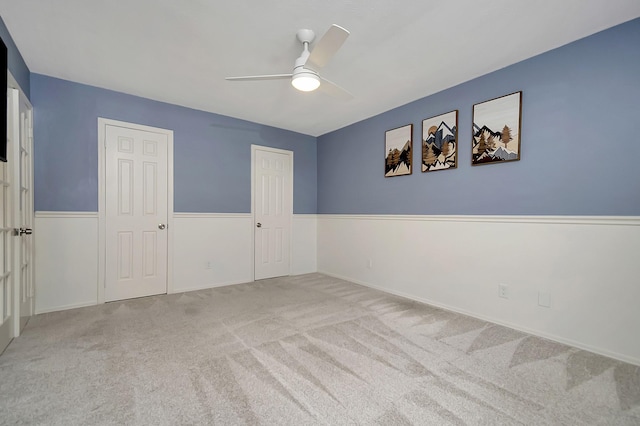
(212, 215)
(305, 216)
(208, 286)
(564, 220)
(102, 123)
(17, 97)
(102, 219)
(600, 351)
(65, 307)
(12, 280)
(253, 211)
(170, 213)
(254, 148)
(12, 83)
(66, 215)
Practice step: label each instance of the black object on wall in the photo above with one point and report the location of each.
(3, 104)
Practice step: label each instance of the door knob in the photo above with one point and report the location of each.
(23, 231)
(162, 226)
(259, 225)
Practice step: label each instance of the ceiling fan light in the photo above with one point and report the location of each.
(305, 81)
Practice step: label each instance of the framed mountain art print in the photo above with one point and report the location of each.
(440, 142)
(496, 130)
(398, 146)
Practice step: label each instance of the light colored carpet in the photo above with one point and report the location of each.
(300, 350)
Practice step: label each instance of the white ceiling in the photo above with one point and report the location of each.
(399, 51)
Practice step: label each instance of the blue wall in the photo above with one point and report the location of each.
(17, 66)
(580, 154)
(212, 153)
(580, 145)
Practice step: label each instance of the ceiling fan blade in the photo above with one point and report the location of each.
(332, 89)
(260, 77)
(326, 47)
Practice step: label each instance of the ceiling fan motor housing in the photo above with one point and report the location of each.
(305, 36)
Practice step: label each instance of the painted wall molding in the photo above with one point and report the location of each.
(305, 216)
(187, 215)
(63, 215)
(179, 215)
(190, 215)
(564, 220)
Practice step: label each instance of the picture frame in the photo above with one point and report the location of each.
(496, 129)
(440, 142)
(398, 144)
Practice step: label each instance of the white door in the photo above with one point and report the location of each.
(6, 278)
(6, 236)
(23, 210)
(16, 220)
(136, 212)
(273, 209)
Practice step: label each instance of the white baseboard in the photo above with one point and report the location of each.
(209, 286)
(66, 307)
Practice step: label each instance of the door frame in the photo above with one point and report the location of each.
(255, 148)
(102, 216)
(12, 83)
(16, 171)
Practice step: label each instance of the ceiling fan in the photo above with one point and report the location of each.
(305, 76)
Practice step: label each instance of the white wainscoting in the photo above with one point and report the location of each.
(587, 265)
(66, 260)
(210, 250)
(304, 243)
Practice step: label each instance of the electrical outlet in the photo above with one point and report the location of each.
(544, 299)
(503, 291)
(208, 265)
(369, 264)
